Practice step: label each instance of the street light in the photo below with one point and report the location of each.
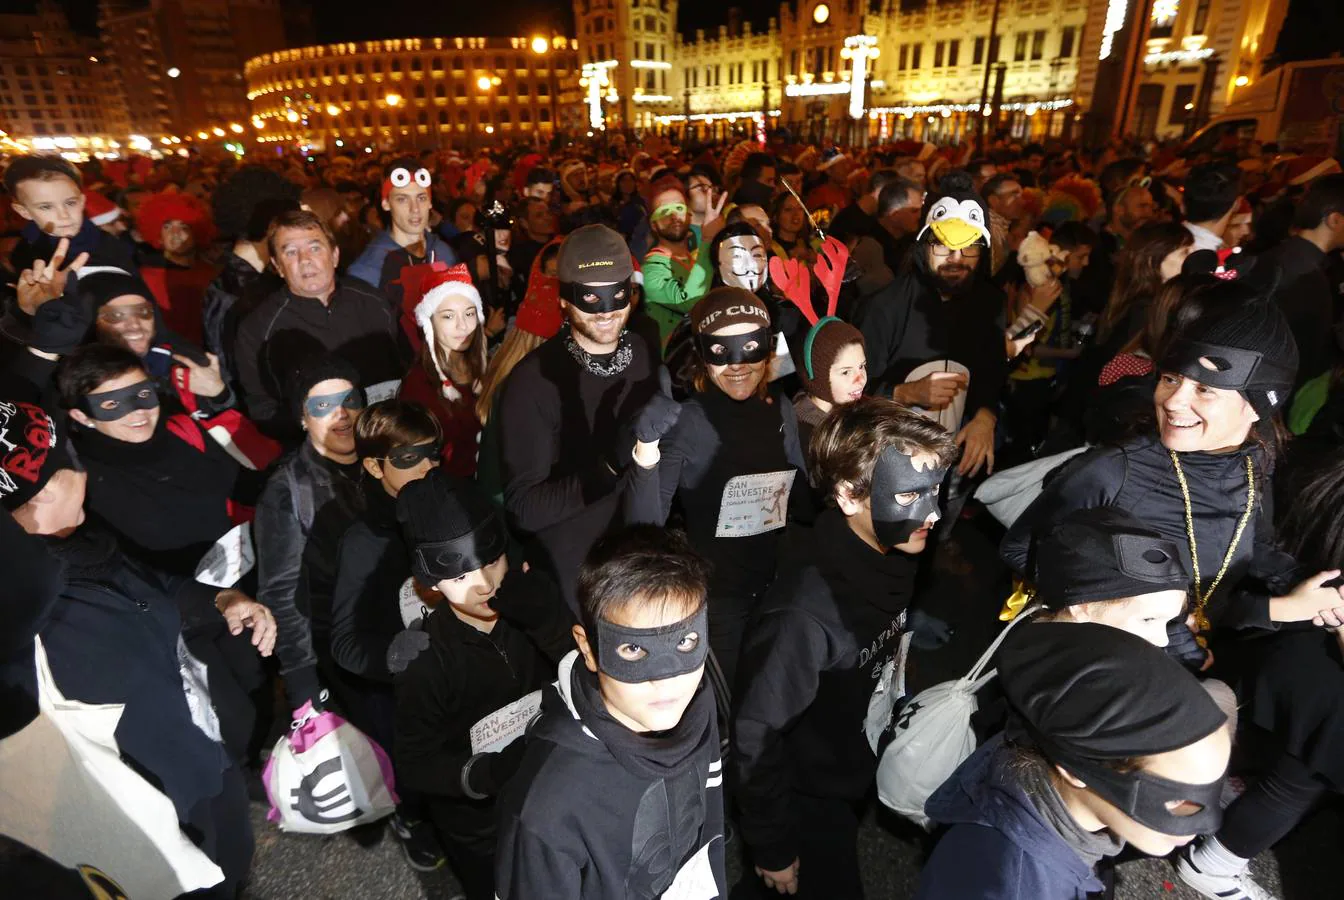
(292, 116)
(173, 72)
(1242, 81)
(540, 45)
(236, 128)
(483, 82)
(334, 110)
(202, 135)
(392, 99)
(217, 131)
(489, 129)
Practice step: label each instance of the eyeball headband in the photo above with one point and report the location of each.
(401, 177)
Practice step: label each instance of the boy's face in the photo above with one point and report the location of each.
(55, 205)
(902, 506)
(631, 650)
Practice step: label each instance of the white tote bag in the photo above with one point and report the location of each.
(933, 736)
(64, 790)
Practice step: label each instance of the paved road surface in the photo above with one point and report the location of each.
(965, 589)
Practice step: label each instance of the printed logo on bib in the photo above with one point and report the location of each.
(383, 390)
(413, 609)
(695, 879)
(754, 504)
(505, 725)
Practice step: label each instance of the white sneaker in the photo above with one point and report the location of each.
(1219, 887)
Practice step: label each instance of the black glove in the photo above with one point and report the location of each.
(528, 599)
(405, 647)
(60, 325)
(930, 632)
(485, 773)
(660, 413)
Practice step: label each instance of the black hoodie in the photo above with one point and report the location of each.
(826, 629)
(626, 818)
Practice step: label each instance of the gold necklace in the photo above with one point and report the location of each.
(1202, 599)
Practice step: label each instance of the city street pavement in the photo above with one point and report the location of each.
(965, 589)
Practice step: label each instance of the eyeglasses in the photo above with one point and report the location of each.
(971, 251)
(115, 315)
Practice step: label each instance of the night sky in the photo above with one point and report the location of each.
(341, 20)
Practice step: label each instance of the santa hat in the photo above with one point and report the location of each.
(829, 157)
(99, 209)
(1305, 169)
(439, 285)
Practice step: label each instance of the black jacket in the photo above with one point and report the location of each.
(575, 822)
(103, 248)
(1137, 476)
(1304, 295)
(307, 505)
(826, 629)
(111, 635)
(463, 677)
(908, 324)
(276, 337)
(235, 292)
(561, 429)
(372, 565)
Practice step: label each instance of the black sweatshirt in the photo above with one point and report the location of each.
(716, 440)
(810, 663)
(355, 324)
(576, 822)
(372, 565)
(1138, 477)
(561, 427)
(464, 676)
(908, 324)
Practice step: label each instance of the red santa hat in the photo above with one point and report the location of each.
(1305, 169)
(99, 210)
(440, 284)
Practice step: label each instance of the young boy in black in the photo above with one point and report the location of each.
(817, 664)
(474, 671)
(620, 792)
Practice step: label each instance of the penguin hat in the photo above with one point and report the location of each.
(958, 217)
(440, 284)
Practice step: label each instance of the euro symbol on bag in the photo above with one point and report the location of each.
(315, 808)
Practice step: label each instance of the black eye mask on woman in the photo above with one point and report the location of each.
(124, 401)
(728, 350)
(661, 657)
(894, 474)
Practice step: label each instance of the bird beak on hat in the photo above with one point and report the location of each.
(957, 234)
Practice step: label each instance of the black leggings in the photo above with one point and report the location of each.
(1270, 808)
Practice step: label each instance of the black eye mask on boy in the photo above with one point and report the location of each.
(124, 401)
(437, 561)
(595, 299)
(410, 456)
(895, 474)
(728, 350)
(667, 651)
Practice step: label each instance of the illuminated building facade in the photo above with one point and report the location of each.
(423, 92)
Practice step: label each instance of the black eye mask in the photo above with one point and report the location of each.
(1144, 796)
(410, 457)
(140, 395)
(597, 298)
(1235, 369)
(726, 350)
(321, 405)
(662, 659)
(437, 561)
(895, 473)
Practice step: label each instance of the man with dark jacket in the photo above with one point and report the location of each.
(473, 671)
(943, 314)
(569, 412)
(314, 313)
(112, 633)
(620, 790)
(814, 688)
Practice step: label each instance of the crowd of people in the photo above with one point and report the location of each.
(648, 447)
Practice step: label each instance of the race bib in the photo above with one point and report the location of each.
(505, 725)
(229, 559)
(413, 609)
(754, 504)
(886, 694)
(383, 390)
(695, 879)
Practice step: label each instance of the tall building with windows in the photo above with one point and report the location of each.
(53, 84)
(415, 91)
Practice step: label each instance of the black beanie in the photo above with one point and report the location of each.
(104, 287)
(450, 525)
(1250, 344)
(315, 370)
(1105, 554)
(1091, 691)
